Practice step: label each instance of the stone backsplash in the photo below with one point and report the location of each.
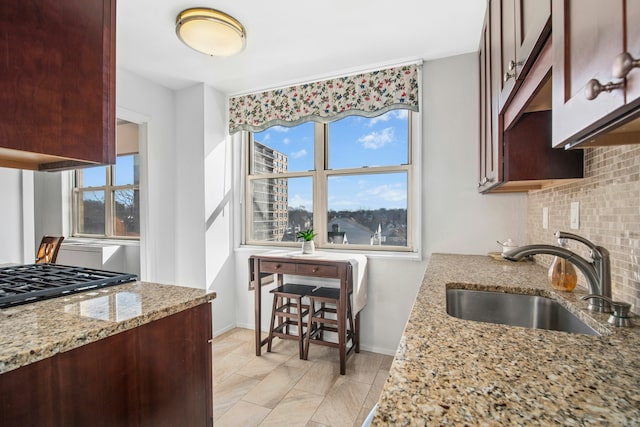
(609, 198)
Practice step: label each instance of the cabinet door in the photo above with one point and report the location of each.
(533, 23)
(587, 36)
(57, 80)
(504, 23)
(488, 167)
(633, 47)
(524, 25)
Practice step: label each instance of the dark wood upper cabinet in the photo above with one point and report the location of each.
(515, 138)
(57, 84)
(588, 35)
(522, 27)
(490, 174)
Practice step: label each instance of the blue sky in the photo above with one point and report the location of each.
(354, 142)
(96, 176)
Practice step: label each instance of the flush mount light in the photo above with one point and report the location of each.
(210, 31)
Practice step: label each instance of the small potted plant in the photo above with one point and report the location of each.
(307, 236)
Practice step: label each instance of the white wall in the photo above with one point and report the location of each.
(16, 217)
(457, 219)
(155, 105)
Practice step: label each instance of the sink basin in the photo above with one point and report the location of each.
(530, 311)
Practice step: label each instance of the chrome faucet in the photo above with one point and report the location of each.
(597, 271)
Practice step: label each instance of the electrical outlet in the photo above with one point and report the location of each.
(575, 215)
(545, 218)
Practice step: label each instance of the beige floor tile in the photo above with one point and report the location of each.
(272, 389)
(386, 362)
(363, 366)
(224, 366)
(320, 377)
(315, 424)
(227, 393)
(243, 414)
(372, 397)
(295, 409)
(342, 404)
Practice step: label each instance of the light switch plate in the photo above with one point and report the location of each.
(575, 215)
(545, 218)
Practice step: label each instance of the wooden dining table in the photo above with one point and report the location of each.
(267, 265)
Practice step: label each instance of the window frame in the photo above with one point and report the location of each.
(109, 200)
(320, 176)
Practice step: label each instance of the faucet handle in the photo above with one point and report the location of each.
(620, 315)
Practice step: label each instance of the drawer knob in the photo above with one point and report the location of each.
(314, 269)
(595, 88)
(623, 64)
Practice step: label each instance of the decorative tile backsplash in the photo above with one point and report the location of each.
(609, 204)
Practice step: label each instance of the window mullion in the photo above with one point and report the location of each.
(320, 182)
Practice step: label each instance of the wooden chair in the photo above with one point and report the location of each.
(48, 250)
(325, 319)
(288, 311)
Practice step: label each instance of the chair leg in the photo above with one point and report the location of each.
(309, 329)
(273, 318)
(300, 330)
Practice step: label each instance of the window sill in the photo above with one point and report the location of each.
(98, 243)
(404, 256)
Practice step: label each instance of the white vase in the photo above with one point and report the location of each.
(308, 247)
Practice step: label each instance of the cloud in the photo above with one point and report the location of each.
(389, 193)
(393, 114)
(298, 154)
(298, 201)
(375, 140)
(286, 141)
(279, 129)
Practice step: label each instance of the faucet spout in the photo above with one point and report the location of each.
(590, 273)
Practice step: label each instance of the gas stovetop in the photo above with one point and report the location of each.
(23, 284)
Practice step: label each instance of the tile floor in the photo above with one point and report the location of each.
(279, 389)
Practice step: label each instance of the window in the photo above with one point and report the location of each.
(106, 199)
(350, 180)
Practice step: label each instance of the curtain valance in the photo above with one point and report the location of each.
(367, 94)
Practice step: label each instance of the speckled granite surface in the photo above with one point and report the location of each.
(33, 332)
(449, 371)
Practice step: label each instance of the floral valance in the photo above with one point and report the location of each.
(367, 94)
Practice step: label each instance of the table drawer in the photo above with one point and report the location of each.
(318, 270)
(277, 267)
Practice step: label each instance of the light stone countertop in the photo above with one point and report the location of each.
(32, 332)
(449, 371)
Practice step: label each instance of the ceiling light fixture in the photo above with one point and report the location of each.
(210, 31)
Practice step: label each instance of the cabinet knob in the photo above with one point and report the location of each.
(623, 64)
(507, 76)
(484, 181)
(513, 64)
(595, 88)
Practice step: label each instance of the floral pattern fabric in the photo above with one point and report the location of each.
(367, 94)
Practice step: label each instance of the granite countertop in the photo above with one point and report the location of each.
(449, 371)
(35, 331)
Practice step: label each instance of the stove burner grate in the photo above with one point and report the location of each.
(34, 282)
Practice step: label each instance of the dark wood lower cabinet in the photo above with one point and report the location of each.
(158, 374)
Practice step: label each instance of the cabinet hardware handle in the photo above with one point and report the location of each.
(314, 269)
(484, 181)
(595, 88)
(507, 76)
(513, 64)
(623, 64)
(277, 266)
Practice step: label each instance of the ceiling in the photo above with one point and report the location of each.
(292, 41)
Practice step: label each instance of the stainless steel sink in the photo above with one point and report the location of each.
(530, 311)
